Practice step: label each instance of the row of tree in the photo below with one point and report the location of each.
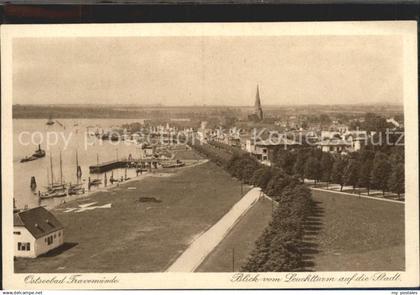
(279, 248)
(363, 169)
(217, 155)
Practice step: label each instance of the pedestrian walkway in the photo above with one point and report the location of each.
(357, 196)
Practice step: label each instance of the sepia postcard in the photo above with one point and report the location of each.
(210, 155)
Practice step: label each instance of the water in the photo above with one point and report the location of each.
(74, 132)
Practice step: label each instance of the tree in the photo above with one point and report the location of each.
(326, 165)
(261, 177)
(324, 119)
(277, 183)
(396, 181)
(312, 169)
(299, 166)
(337, 172)
(380, 172)
(364, 174)
(285, 159)
(351, 173)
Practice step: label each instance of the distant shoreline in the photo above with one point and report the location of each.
(101, 111)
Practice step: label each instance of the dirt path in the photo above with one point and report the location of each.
(195, 254)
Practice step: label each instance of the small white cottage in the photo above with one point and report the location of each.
(36, 231)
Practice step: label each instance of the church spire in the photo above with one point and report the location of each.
(257, 107)
(257, 99)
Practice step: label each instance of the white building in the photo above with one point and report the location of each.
(334, 145)
(36, 231)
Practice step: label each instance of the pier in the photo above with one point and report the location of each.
(115, 164)
(107, 166)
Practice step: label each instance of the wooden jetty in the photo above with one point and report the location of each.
(107, 166)
(123, 163)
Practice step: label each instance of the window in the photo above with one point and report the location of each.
(49, 240)
(24, 246)
(55, 236)
(59, 234)
(16, 232)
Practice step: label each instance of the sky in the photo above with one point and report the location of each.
(208, 70)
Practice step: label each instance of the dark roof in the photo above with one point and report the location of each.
(38, 221)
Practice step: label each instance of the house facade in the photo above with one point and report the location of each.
(36, 231)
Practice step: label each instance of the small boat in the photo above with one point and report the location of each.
(54, 190)
(33, 183)
(76, 189)
(53, 194)
(173, 164)
(96, 182)
(39, 153)
(78, 168)
(28, 159)
(59, 123)
(114, 137)
(50, 121)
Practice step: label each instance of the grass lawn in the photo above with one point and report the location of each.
(186, 155)
(347, 233)
(241, 238)
(135, 236)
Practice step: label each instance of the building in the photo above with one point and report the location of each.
(36, 231)
(258, 114)
(335, 146)
(264, 150)
(349, 141)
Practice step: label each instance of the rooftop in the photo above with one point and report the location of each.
(38, 221)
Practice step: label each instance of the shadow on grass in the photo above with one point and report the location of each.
(312, 226)
(57, 251)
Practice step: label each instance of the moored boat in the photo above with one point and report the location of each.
(28, 159)
(76, 189)
(50, 121)
(171, 164)
(96, 182)
(53, 194)
(39, 153)
(54, 190)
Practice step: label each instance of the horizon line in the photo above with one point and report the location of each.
(208, 105)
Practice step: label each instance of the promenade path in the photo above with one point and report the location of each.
(357, 196)
(195, 254)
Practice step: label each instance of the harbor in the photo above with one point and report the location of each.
(87, 164)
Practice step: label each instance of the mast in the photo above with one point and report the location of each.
(48, 177)
(78, 174)
(61, 170)
(52, 171)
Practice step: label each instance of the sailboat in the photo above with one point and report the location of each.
(112, 179)
(96, 181)
(50, 121)
(77, 189)
(55, 190)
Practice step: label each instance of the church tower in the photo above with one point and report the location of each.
(257, 107)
